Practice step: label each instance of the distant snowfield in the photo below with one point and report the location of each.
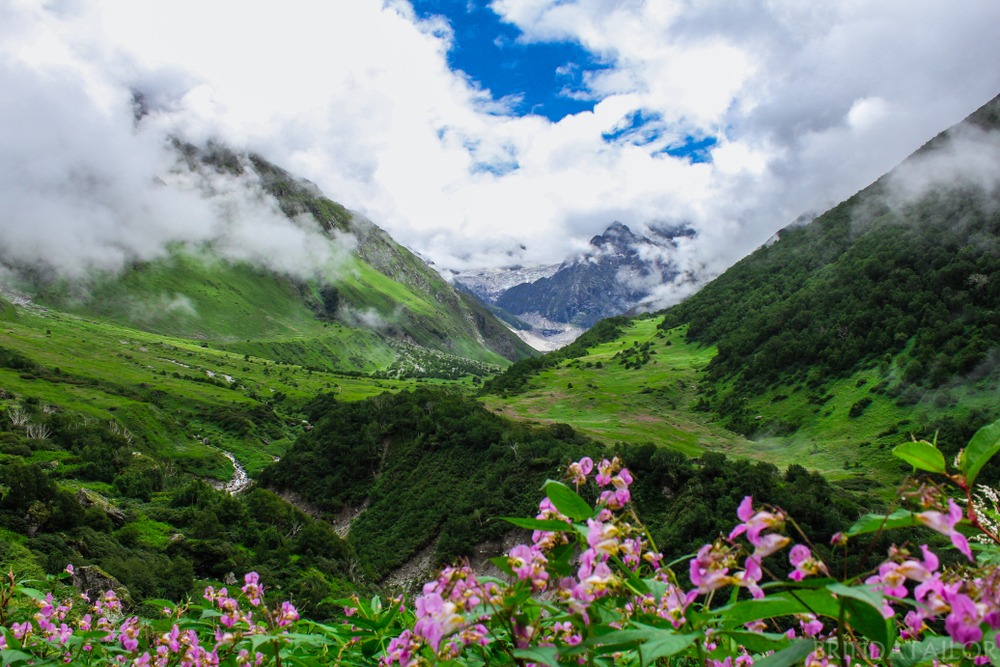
(546, 335)
(489, 284)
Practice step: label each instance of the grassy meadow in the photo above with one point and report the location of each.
(184, 400)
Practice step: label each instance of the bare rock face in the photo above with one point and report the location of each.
(617, 272)
(88, 498)
(94, 582)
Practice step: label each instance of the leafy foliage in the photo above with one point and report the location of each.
(591, 587)
(862, 281)
(428, 466)
(515, 378)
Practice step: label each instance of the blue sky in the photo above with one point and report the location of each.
(543, 78)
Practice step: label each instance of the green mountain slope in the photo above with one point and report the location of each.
(874, 323)
(365, 309)
(422, 477)
(125, 398)
(902, 283)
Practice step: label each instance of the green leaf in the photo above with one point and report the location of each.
(864, 611)
(871, 523)
(664, 645)
(869, 623)
(567, 501)
(365, 623)
(865, 594)
(618, 640)
(550, 525)
(931, 648)
(13, 657)
(758, 642)
(160, 604)
(652, 642)
(984, 444)
(990, 647)
(543, 655)
(632, 582)
(32, 593)
(792, 655)
(922, 455)
(804, 601)
(501, 563)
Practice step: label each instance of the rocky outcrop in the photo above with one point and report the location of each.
(88, 498)
(94, 582)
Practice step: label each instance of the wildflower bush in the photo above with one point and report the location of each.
(591, 588)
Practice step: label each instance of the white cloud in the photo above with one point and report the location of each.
(810, 101)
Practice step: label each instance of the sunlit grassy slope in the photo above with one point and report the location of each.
(600, 396)
(183, 400)
(607, 395)
(248, 310)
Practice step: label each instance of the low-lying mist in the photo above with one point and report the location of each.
(90, 189)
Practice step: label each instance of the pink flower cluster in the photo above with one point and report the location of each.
(965, 604)
(442, 611)
(52, 624)
(53, 629)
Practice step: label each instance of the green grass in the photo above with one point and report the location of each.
(383, 293)
(812, 427)
(617, 404)
(244, 309)
(197, 297)
(160, 388)
(148, 533)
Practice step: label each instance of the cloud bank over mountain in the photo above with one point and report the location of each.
(798, 107)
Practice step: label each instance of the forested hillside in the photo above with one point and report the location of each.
(872, 324)
(903, 277)
(432, 470)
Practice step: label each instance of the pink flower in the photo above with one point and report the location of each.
(596, 578)
(945, 524)
(811, 626)
(401, 650)
(889, 579)
(252, 589)
(615, 499)
(287, 614)
(709, 569)
(172, 639)
(622, 480)
(754, 523)
(475, 634)
(546, 540)
(605, 470)
(963, 621)
(602, 537)
(802, 559)
(750, 577)
(579, 470)
(129, 633)
(63, 634)
(769, 544)
(528, 564)
(435, 618)
(674, 603)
